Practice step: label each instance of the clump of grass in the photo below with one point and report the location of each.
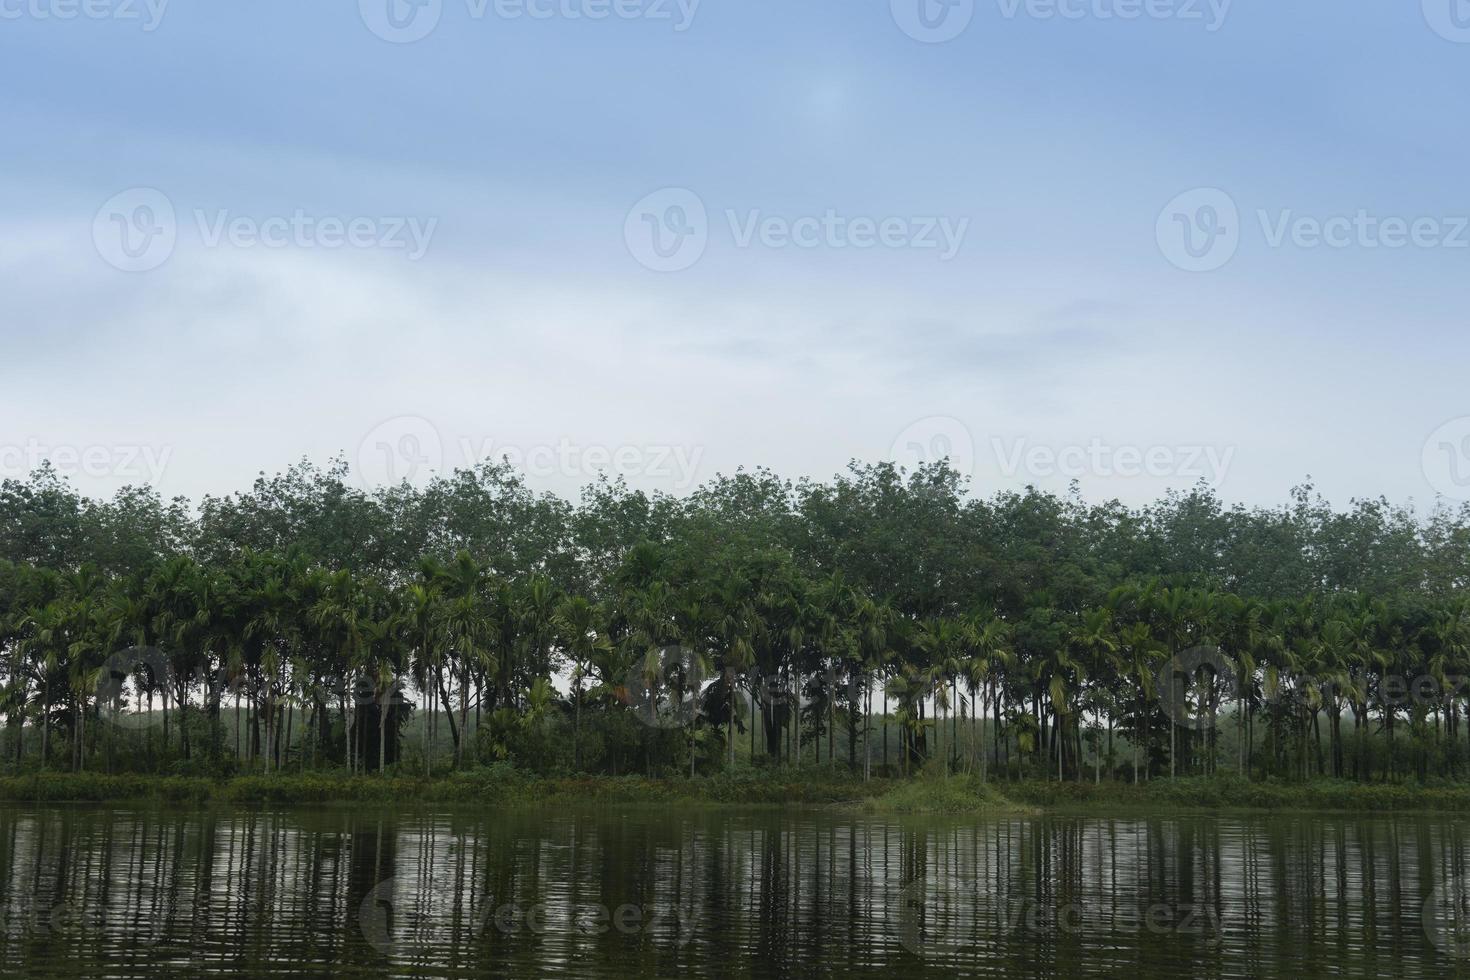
(957, 794)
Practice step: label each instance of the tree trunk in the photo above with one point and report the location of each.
(45, 723)
(184, 716)
(753, 705)
(383, 731)
(796, 713)
(980, 723)
(449, 717)
(1173, 744)
(867, 730)
(348, 722)
(831, 719)
(464, 716)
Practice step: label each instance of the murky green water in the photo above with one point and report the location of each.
(147, 893)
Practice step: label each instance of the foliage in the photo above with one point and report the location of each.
(881, 622)
(966, 795)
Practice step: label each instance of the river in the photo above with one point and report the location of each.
(633, 892)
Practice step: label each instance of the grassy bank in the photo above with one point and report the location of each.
(1233, 793)
(493, 786)
(500, 786)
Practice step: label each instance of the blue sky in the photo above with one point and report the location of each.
(1053, 335)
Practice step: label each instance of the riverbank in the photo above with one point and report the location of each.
(505, 788)
(502, 787)
(1228, 792)
(491, 786)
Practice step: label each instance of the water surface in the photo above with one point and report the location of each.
(653, 892)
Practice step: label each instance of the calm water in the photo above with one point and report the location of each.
(147, 893)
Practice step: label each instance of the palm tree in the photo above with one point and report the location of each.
(827, 609)
(1097, 641)
(692, 665)
(583, 635)
(908, 687)
(943, 640)
(874, 627)
(467, 630)
(382, 646)
(1175, 618)
(1448, 635)
(1139, 656)
(271, 624)
(988, 637)
(341, 626)
(423, 617)
(48, 638)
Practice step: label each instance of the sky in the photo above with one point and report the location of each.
(1131, 243)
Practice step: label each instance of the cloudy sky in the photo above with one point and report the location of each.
(1134, 242)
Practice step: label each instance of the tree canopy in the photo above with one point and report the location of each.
(769, 606)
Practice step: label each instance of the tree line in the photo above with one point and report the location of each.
(882, 621)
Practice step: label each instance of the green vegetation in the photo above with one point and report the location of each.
(503, 786)
(958, 795)
(768, 641)
(494, 786)
(1227, 792)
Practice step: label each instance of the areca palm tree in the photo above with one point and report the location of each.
(583, 635)
(1097, 642)
(988, 637)
(908, 687)
(341, 628)
(1176, 617)
(382, 646)
(423, 619)
(272, 627)
(874, 623)
(944, 641)
(48, 641)
(1449, 640)
(467, 623)
(1139, 656)
(686, 676)
(733, 630)
(827, 610)
(180, 602)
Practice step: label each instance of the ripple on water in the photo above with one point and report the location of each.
(143, 893)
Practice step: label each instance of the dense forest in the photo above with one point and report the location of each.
(878, 622)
